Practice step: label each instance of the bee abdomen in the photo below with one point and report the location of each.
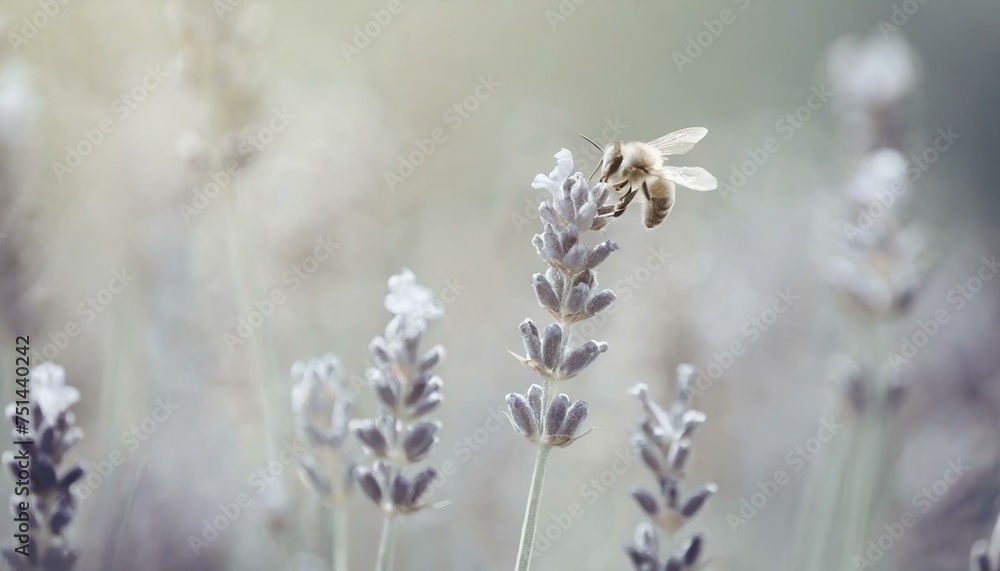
(656, 210)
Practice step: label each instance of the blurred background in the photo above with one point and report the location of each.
(165, 166)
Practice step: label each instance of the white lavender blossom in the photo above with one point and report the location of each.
(52, 430)
(663, 439)
(407, 390)
(323, 406)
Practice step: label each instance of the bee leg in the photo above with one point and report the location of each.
(623, 203)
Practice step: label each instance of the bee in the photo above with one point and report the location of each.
(637, 166)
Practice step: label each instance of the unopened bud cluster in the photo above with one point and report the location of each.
(51, 505)
(663, 440)
(323, 407)
(407, 391)
(568, 290)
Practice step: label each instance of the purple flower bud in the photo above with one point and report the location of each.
(599, 253)
(547, 213)
(369, 484)
(551, 344)
(693, 550)
(697, 500)
(556, 414)
(529, 336)
(544, 293)
(600, 301)
(574, 258)
(675, 563)
(432, 358)
(577, 298)
(646, 501)
(420, 483)
(670, 489)
(521, 416)
(371, 437)
(418, 440)
(581, 357)
(574, 418)
(535, 400)
(399, 491)
(427, 404)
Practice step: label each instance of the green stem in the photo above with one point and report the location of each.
(338, 556)
(385, 545)
(531, 511)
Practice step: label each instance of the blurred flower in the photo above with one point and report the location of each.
(323, 407)
(408, 298)
(50, 391)
(872, 73)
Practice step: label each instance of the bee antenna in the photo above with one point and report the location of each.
(599, 148)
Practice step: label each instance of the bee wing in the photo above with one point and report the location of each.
(679, 142)
(695, 178)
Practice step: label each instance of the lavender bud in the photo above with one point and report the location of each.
(556, 279)
(551, 343)
(693, 550)
(547, 213)
(420, 483)
(529, 336)
(670, 489)
(577, 298)
(570, 237)
(646, 501)
(379, 350)
(556, 415)
(980, 556)
(544, 293)
(314, 479)
(399, 492)
(579, 194)
(369, 484)
(574, 418)
(71, 477)
(535, 400)
(652, 457)
(585, 215)
(417, 389)
(386, 387)
(646, 539)
(675, 563)
(599, 253)
(521, 416)
(697, 500)
(427, 404)
(641, 560)
(418, 440)
(432, 358)
(600, 301)
(552, 245)
(679, 453)
(581, 358)
(371, 437)
(574, 258)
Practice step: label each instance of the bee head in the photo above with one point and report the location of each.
(612, 160)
